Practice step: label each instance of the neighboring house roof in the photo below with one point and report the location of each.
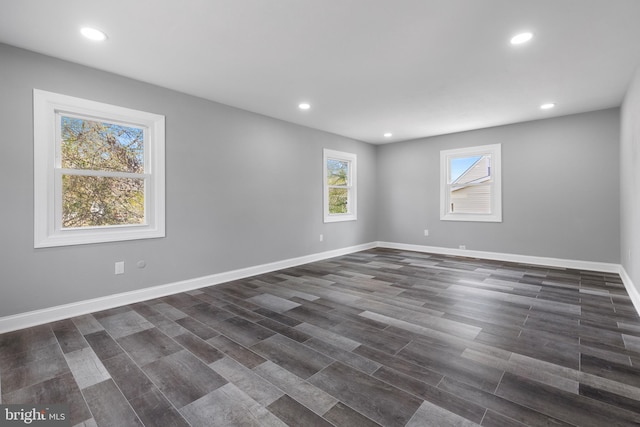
(478, 172)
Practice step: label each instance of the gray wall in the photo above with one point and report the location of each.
(630, 182)
(242, 190)
(560, 190)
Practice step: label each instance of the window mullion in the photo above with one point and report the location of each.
(111, 174)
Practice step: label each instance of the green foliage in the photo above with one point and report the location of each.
(337, 180)
(337, 172)
(338, 198)
(90, 201)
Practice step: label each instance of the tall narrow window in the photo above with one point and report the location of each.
(339, 186)
(470, 184)
(99, 172)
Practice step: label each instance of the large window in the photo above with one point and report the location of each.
(339, 186)
(470, 184)
(98, 170)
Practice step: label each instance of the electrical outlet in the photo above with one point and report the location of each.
(120, 267)
(321, 238)
(426, 233)
(462, 247)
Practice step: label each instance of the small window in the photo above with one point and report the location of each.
(99, 172)
(470, 184)
(339, 186)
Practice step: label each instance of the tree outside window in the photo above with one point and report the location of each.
(339, 186)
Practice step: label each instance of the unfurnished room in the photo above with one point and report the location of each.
(320, 213)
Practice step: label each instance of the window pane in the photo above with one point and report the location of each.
(90, 201)
(470, 190)
(337, 172)
(470, 199)
(338, 200)
(88, 144)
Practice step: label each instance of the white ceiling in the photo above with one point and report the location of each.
(411, 67)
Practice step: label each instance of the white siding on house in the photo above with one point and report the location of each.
(471, 191)
(471, 199)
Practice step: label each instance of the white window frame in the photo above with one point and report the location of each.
(494, 150)
(48, 230)
(352, 202)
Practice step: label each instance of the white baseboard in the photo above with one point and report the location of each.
(38, 317)
(524, 259)
(632, 290)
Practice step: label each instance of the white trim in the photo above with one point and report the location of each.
(495, 151)
(51, 314)
(47, 109)
(524, 259)
(632, 290)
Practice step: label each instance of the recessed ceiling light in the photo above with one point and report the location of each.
(304, 106)
(93, 34)
(521, 38)
(547, 106)
(388, 135)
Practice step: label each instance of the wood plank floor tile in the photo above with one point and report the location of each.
(154, 409)
(20, 360)
(451, 365)
(25, 341)
(287, 331)
(86, 368)
(335, 339)
(429, 414)
(293, 413)
(347, 357)
(183, 378)
(342, 415)
(493, 419)
(128, 376)
(197, 328)
(406, 367)
(208, 314)
(256, 387)
(305, 393)
(375, 399)
(109, 407)
(372, 337)
(610, 398)
(68, 336)
(297, 358)
(87, 324)
(243, 331)
(228, 406)
(62, 389)
(568, 407)
(198, 347)
(122, 324)
(148, 345)
(236, 351)
(103, 345)
(432, 394)
(273, 302)
(34, 372)
(611, 370)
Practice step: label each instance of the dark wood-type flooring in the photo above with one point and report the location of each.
(380, 337)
